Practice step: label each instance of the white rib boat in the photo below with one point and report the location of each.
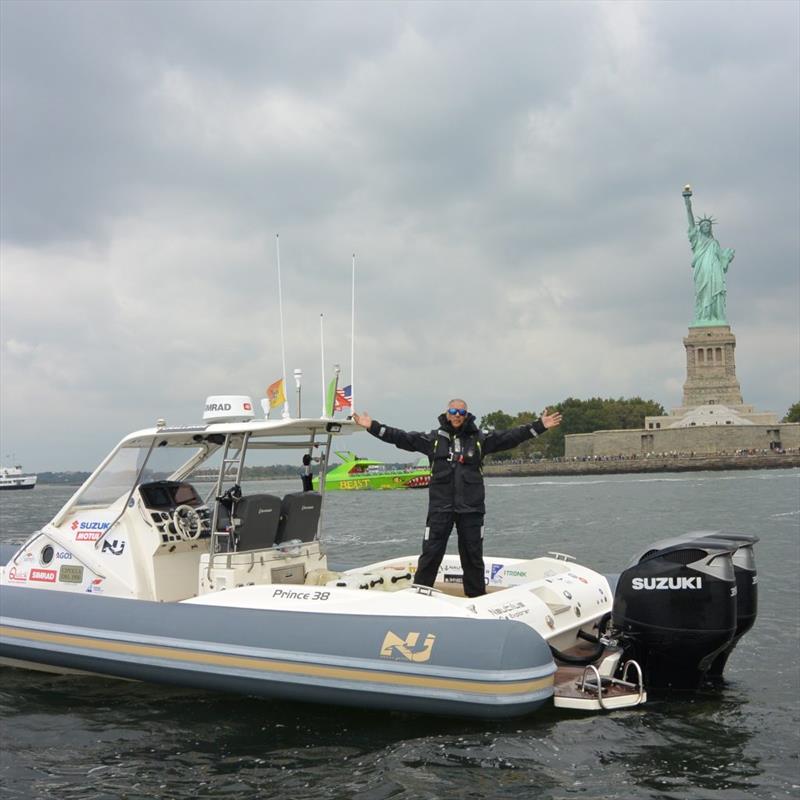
(138, 576)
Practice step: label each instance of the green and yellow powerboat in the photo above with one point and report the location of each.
(364, 473)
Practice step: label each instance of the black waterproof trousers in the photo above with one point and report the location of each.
(470, 548)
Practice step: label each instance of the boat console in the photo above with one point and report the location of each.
(176, 510)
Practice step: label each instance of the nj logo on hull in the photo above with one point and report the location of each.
(393, 646)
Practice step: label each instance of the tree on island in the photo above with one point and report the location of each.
(580, 416)
(793, 414)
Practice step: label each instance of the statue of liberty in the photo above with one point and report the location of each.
(710, 264)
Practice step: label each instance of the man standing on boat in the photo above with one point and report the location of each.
(456, 450)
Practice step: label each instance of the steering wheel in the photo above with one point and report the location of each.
(187, 522)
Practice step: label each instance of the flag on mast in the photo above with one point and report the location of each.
(276, 393)
(338, 398)
(343, 398)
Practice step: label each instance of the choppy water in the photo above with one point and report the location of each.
(81, 738)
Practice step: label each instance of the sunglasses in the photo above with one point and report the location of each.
(461, 412)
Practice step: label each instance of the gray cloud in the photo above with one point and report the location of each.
(508, 173)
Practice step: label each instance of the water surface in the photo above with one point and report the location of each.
(78, 738)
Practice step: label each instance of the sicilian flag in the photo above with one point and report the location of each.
(276, 394)
(342, 399)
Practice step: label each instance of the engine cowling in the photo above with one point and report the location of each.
(675, 609)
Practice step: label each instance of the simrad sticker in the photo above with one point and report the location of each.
(393, 646)
(43, 575)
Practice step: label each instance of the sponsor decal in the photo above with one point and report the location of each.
(265, 510)
(17, 575)
(115, 547)
(409, 647)
(510, 610)
(517, 573)
(667, 583)
(63, 555)
(495, 568)
(43, 575)
(454, 579)
(218, 406)
(70, 573)
(88, 530)
(95, 587)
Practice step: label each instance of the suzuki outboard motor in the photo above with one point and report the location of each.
(744, 570)
(675, 609)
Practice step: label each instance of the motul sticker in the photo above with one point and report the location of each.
(667, 583)
(88, 530)
(88, 536)
(44, 575)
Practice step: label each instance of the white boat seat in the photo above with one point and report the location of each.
(299, 517)
(256, 520)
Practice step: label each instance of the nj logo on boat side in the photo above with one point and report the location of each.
(393, 646)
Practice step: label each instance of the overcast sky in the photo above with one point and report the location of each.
(509, 176)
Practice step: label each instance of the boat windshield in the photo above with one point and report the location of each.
(118, 475)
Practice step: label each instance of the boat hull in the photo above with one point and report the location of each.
(8, 485)
(477, 668)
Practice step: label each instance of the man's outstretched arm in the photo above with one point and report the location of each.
(505, 440)
(404, 440)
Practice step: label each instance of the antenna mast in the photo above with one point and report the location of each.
(353, 340)
(286, 413)
(322, 363)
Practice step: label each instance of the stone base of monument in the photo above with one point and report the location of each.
(710, 368)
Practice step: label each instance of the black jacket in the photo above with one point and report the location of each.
(456, 458)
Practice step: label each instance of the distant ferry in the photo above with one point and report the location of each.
(364, 473)
(15, 478)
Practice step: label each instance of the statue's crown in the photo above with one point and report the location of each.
(709, 220)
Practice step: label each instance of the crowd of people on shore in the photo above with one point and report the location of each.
(635, 457)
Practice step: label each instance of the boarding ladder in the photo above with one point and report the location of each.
(232, 465)
(589, 690)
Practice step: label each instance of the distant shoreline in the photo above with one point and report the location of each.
(619, 466)
(711, 463)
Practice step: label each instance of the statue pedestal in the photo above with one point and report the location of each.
(711, 368)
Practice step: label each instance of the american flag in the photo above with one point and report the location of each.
(342, 399)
